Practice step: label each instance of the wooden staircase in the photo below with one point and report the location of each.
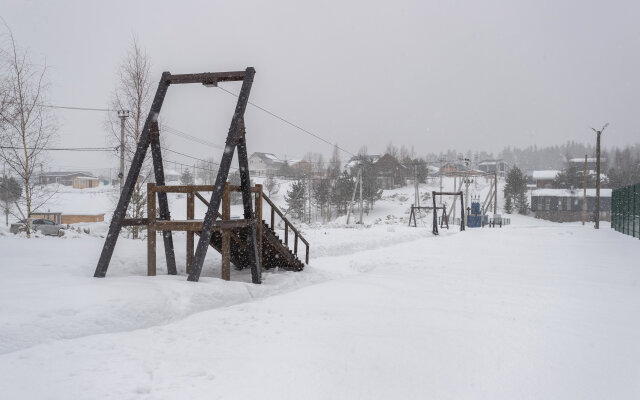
(228, 236)
(274, 252)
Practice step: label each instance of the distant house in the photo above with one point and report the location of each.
(264, 163)
(454, 167)
(544, 178)
(591, 163)
(565, 205)
(300, 167)
(84, 182)
(60, 218)
(352, 165)
(490, 166)
(60, 177)
(390, 173)
(171, 175)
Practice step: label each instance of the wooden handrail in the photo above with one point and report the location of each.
(288, 224)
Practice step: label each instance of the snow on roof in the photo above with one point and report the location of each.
(85, 177)
(570, 193)
(490, 162)
(590, 159)
(267, 157)
(545, 174)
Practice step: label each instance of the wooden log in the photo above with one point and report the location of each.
(190, 234)
(151, 230)
(135, 222)
(258, 211)
(196, 225)
(226, 245)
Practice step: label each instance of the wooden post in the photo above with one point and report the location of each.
(258, 207)
(151, 229)
(190, 216)
(306, 256)
(273, 218)
(226, 250)
(286, 233)
(295, 244)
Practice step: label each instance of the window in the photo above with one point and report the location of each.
(547, 203)
(569, 200)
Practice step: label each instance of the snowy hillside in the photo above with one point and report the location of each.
(532, 310)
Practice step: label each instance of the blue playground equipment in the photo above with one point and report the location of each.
(475, 216)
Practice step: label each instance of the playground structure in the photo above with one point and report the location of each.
(248, 242)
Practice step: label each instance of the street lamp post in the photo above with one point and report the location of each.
(598, 133)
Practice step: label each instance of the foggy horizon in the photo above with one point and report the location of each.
(432, 76)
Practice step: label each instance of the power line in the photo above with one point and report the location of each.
(60, 148)
(64, 107)
(289, 122)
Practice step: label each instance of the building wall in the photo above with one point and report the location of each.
(77, 218)
(568, 209)
(83, 183)
(571, 216)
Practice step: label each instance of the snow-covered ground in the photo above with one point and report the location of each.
(535, 310)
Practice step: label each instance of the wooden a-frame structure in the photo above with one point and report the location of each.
(150, 137)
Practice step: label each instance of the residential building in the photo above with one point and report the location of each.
(565, 205)
(60, 177)
(84, 182)
(490, 166)
(264, 163)
(545, 178)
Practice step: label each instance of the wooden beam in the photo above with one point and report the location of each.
(135, 222)
(195, 225)
(151, 230)
(226, 245)
(206, 77)
(190, 234)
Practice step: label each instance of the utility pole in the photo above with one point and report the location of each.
(361, 204)
(495, 193)
(584, 194)
(123, 115)
(598, 133)
(416, 186)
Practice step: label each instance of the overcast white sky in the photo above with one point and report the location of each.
(433, 74)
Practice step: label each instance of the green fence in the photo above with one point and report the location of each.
(625, 210)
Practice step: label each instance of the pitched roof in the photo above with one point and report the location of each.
(545, 174)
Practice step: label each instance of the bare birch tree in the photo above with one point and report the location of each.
(27, 127)
(133, 93)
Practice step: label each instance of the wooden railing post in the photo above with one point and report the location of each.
(286, 233)
(306, 256)
(190, 235)
(151, 229)
(226, 250)
(258, 213)
(273, 218)
(295, 245)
